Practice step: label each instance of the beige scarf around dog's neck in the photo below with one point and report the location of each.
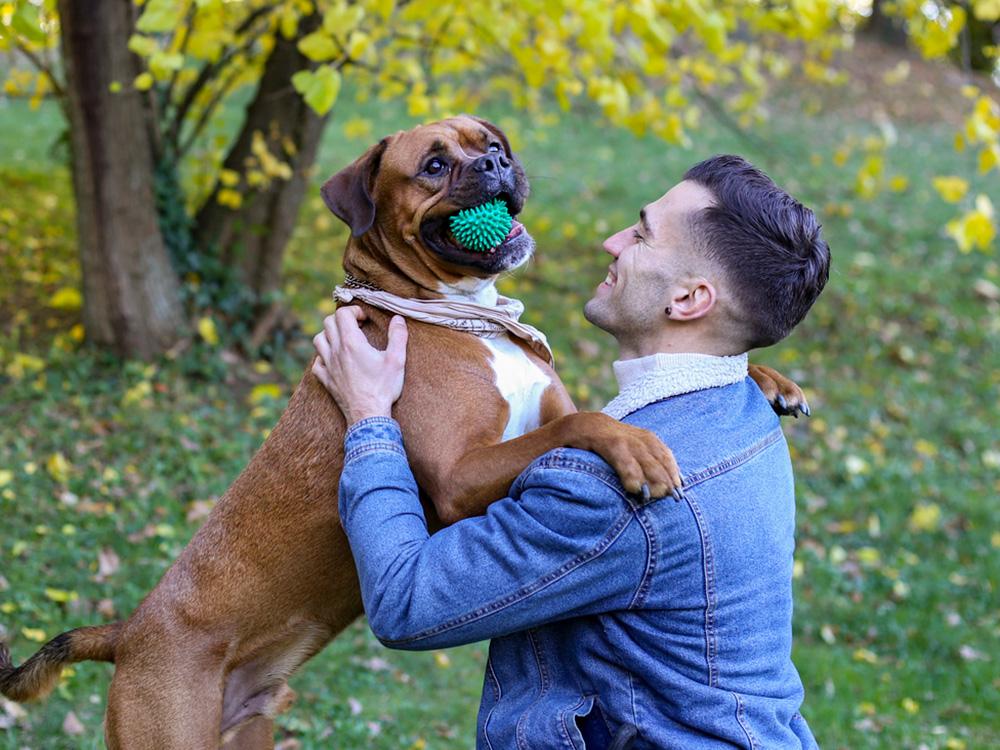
(487, 321)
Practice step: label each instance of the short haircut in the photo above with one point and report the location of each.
(769, 246)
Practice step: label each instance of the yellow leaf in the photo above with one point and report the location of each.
(986, 10)
(67, 298)
(910, 706)
(951, 189)
(319, 88)
(24, 364)
(229, 197)
(264, 391)
(229, 177)
(318, 47)
(442, 659)
(869, 556)
(33, 634)
(865, 655)
(898, 183)
(6, 476)
(61, 596)
(143, 81)
(137, 393)
(206, 329)
(925, 517)
(58, 467)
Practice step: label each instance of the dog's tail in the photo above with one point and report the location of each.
(40, 673)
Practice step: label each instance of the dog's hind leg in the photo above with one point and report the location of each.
(256, 734)
(175, 706)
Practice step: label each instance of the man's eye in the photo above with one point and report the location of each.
(435, 166)
(636, 236)
(495, 148)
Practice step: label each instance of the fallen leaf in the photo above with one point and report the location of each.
(107, 564)
(72, 725)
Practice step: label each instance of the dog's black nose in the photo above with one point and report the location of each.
(491, 163)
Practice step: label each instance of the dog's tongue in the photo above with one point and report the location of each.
(483, 227)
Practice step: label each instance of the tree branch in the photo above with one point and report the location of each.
(211, 69)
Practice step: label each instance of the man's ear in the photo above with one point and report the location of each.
(348, 194)
(691, 300)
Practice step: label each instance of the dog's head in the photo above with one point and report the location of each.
(404, 190)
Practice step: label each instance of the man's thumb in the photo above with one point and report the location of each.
(397, 337)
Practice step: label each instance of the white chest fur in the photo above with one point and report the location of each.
(521, 382)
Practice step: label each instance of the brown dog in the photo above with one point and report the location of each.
(269, 580)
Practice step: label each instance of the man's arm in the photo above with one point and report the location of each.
(568, 545)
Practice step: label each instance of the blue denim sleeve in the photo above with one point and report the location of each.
(568, 545)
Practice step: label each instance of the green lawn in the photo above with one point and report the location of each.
(898, 470)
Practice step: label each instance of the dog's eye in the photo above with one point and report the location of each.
(495, 148)
(435, 167)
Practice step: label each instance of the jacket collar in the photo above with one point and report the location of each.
(644, 380)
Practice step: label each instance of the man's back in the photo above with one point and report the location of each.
(699, 656)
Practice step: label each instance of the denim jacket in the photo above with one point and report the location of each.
(664, 621)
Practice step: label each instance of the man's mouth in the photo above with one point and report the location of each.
(611, 278)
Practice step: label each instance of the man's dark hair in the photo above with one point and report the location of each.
(768, 244)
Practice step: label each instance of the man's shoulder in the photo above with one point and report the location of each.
(711, 426)
(577, 470)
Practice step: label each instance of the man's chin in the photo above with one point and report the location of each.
(596, 314)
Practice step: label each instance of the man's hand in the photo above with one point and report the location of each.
(364, 381)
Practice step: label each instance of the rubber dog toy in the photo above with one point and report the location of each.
(482, 227)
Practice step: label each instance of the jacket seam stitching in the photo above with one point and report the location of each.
(652, 556)
(731, 462)
(562, 720)
(610, 537)
(370, 422)
(558, 461)
(740, 719)
(375, 446)
(499, 694)
(708, 571)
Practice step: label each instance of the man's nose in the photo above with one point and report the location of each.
(616, 243)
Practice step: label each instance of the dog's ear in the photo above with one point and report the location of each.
(348, 194)
(495, 130)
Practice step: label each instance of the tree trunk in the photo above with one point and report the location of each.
(252, 239)
(890, 30)
(131, 293)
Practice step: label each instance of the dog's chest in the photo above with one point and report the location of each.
(521, 383)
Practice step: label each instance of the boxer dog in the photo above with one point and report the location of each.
(269, 579)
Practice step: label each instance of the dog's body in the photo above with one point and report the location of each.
(269, 579)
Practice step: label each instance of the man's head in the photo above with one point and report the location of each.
(724, 262)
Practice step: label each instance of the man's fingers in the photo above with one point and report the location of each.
(330, 330)
(322, 347)
(398, 334)
(319, 370)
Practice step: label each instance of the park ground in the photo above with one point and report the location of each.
(108, 467)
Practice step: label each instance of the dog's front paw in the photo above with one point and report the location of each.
(786, 398)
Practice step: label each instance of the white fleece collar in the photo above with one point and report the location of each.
(644, 380)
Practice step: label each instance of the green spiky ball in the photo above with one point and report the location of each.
(482, 227)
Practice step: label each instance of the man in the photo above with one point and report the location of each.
(618, 621)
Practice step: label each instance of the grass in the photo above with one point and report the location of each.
(897, 471)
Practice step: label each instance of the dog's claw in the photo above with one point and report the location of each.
(675, 493)
(782, 403)
(645, 493)
(804, 408)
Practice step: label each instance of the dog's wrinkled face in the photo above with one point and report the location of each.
(412, 183)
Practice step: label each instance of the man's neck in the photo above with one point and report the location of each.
(628, 349)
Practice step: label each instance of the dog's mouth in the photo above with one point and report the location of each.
(439, 236)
